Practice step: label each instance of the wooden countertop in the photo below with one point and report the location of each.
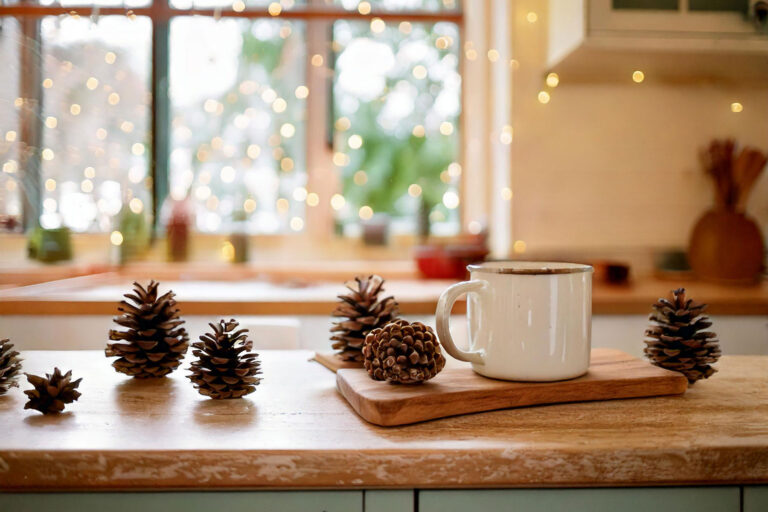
(282, 295)
(296, 431)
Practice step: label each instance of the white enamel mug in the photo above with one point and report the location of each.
(528, 321)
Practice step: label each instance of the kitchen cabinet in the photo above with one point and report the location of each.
(669, 40)
(755, 499)
(668, 499)
(277, 501)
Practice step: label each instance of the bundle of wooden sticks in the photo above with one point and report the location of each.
(734, 176)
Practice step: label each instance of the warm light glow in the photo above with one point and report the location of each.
(553, 80)
(355, 141)
(446, 128)
(736, 107)
(445, 177)
(451, 200)
(228, 251)
(210, 106)
(317, 60)
(519, 246)
(137, 148)
(365, 212)
(378, 25)
(282, 205)
(48, 154)
(474, 227)
(217, 143)
(506, 193)
(86, 186)
(360, 178)
(340, 159)
(286, 164)
(47, 83)
(253, 151)
(638, 76)
(49, 204)
(227, 174)
(405, 27)
(110, 57)
(51, 122)
(249, 205)
(313, 199)
(203, 192)
(287, 130)
(299, 194)
(364, 8)
(442, 43)
(113, 98)
(543, 97)
(89, 172)
(418, 131)
(101, 134)
(10, 186)
(454, 169)
(10, 136)
(92, 83)
(269, 95)
(420, 72)
(531, 17)
(275, 9)
(297, 223)
(74, 109)
(116, 238)
(279, 105)
(50, 184)
(338, 202)
(301, 92)
(136, 205)
(493, 55)
(10, 167)
(342, 124)
(414, 190)
(506, 135)
(238, 6)
(471, 54)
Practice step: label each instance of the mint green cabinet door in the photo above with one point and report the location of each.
(257, 501)
(658, 499)
(755, 498)
(390, 501)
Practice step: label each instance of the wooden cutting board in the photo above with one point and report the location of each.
(459, 390)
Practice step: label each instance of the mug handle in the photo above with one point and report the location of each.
(443, 315)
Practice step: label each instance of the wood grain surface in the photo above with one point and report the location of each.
(459, 390)
(333, 362)
(296, 431)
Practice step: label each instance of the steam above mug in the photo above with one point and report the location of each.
(528, 321)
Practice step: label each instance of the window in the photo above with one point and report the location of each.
(297, 116)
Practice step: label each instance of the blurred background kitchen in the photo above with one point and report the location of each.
(255, 155)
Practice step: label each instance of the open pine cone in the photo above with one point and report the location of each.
(677, 341)
(52, 392)
(155, 342)
(225, 367)
(403, 352)
(10, 366)
(362, 312)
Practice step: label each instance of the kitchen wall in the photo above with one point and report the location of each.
(612, 168)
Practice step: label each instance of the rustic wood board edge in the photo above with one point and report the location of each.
(389, 412)
(333, 362)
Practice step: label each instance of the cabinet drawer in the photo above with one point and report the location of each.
(661, 499)
(755, 498)
(257, 501)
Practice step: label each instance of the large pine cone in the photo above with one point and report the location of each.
(403, 352)
(155, 340)
(52, 392)
(677, 340)
(225, 367)
(10, 366)
(362, 311)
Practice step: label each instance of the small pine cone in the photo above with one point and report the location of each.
(225, 367)
(362, 312)
(10, 366)
(52, 392)
(676, 340)
(155, 342)
(403, 352)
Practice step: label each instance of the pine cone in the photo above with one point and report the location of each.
(10, 365)
(156, 342)
(403, 352)
(677, 341)
(52, 392)
(363, 312)
(225, 367)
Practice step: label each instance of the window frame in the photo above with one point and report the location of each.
(318, 16)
